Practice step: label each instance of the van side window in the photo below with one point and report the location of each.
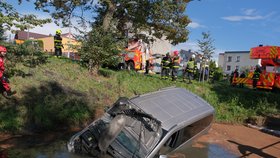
(185, 134)
(172, 140)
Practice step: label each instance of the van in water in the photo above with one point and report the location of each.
(147, 126)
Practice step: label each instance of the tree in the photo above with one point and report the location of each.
(158, 17)
(2, 34)
(9, 18)
(144, 19)
(206, 47)
(99, 47)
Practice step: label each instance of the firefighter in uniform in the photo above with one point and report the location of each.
(165, 66)
(58, 43)
(235, 75)
(175, 65)
(242, 75)
(190, 68)
(256, 76)
(5, 87)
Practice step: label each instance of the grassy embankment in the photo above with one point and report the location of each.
(63, 94)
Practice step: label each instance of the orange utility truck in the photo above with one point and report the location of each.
(131, 59)
(270, 66)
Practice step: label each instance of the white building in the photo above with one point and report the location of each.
(160, 46)
(231, 60)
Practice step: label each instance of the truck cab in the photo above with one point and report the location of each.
(270, 66)
(131, 59)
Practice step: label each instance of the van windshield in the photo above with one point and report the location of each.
(131, 144)
(140, 134)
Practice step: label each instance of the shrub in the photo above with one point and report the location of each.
(218, 74)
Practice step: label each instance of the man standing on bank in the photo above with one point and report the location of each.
(58, 43)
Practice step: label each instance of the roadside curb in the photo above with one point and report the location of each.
(263, 129)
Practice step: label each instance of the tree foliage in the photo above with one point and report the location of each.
(115, 19)
(155, 17)
(206, 45)
(99, 48)
(2, 34)
(9, 18)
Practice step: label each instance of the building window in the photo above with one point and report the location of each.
(238, 59)
(228, 67)
(237, 67)
(229, 58)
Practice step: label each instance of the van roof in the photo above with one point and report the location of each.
(173, 107)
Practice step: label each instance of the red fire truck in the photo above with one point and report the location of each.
(131, 60)
(270, 62)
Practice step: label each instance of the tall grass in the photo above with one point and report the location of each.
(61, 94)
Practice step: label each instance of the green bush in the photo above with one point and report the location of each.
(218, 74)
(105, 72)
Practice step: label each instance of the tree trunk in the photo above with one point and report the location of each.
(109, 14)
(93, 69)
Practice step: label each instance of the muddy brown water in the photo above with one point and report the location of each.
(222, 141)
(58, 149)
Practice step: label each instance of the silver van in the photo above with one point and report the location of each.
(147, 126)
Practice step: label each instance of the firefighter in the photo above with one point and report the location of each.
(256, 76)
(58, 43)
(190, 69)
(231, 77)
(175, 65)
(148, 59)
(242, 75)
(7, 92)
(235, 75)
(165, 66)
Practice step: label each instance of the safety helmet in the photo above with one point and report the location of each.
(3, 49)
(175, 52)
(193, 56)
(58, 32)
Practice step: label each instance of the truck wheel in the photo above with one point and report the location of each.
(130, 66)
(121, 66)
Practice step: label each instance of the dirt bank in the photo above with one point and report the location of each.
(243, 141)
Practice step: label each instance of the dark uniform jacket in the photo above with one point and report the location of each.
(58, 42)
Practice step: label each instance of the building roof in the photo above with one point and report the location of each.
(68, 35)
(24, 35)
(226, 52)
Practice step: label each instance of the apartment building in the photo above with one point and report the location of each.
(231, 60)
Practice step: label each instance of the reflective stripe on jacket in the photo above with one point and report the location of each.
(166, 62)
(190, 66)
(57, 41)
(257, 74)
(2, 67)
(176, 62)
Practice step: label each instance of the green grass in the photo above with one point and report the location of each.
(61, 94)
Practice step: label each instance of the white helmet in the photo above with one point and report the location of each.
(193, 56)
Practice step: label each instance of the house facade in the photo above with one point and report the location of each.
(68, 41)
(231, 60)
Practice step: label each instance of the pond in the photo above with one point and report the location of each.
(31, 148)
